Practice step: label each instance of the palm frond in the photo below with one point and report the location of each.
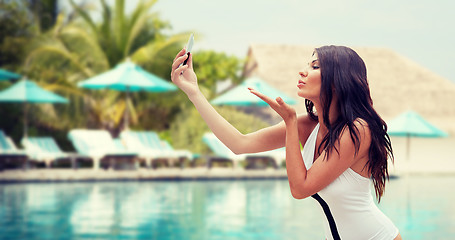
(65, 89)
(85, 15)
(105, 28)
(150, 51)
(36, 54)
(137, 27)
(119, 23)
(59, 24)
(142, 9)
(93, 45)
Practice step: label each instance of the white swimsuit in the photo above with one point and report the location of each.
(348, 205)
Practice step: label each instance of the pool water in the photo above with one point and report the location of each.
(422, 207)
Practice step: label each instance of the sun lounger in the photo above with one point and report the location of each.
(150, 147)
(278, 156)
(119, 144)
(223, 153)
(178, 152)
(99, 145)
(45, 149)
(10, 155)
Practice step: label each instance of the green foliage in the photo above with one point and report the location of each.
(16, 28)
(211, 66)
(121, 35)
(78, 47)
(19, 25)
(189, 127)
(59, 50)
(20, 21)
(45, 12)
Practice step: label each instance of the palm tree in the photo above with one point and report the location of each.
(77, 48)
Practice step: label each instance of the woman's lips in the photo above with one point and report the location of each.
(300, 84)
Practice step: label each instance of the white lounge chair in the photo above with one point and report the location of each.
(150, 147)
(45, 149)
(99, 145)
(10, 155)
(223, 153)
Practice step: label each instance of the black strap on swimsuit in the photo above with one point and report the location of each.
(328, 214)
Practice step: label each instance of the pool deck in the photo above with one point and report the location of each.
(162, 174)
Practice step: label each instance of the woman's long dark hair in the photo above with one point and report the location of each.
(344, 73)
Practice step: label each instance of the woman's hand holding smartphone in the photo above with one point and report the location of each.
(189, 47)
(182, 73)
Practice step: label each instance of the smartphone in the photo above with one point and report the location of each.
(189, 46)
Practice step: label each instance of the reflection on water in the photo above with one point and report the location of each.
(422, 208)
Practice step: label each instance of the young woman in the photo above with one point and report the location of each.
(346, 145)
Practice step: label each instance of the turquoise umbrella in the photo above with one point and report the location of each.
(26, 91)
(7, 75)
(410, 124)
(128, 77)
(241, 96)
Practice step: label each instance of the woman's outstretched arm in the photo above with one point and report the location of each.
(265, 139)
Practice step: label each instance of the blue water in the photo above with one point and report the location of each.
(422, 207)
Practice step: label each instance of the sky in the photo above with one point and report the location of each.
(420, 30)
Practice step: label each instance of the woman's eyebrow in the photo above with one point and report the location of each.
(312, 61)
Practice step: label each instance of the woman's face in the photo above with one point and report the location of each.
(310, 80)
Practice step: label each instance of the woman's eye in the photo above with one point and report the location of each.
(315, 67)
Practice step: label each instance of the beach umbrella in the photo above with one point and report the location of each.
(26, 91)
(410, 124)
(7, 75)
(128, 77)
(241, 96)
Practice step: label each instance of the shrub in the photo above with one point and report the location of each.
(187, 129)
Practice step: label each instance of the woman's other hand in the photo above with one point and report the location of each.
(183, 75)
(283, 109)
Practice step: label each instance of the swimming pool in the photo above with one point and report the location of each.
(421, 206)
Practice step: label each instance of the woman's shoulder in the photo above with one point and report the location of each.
(360, 122)
(306, 121)
(306, 125)
(362, 126)
(362, 131)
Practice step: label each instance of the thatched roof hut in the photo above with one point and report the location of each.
(397, 84)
